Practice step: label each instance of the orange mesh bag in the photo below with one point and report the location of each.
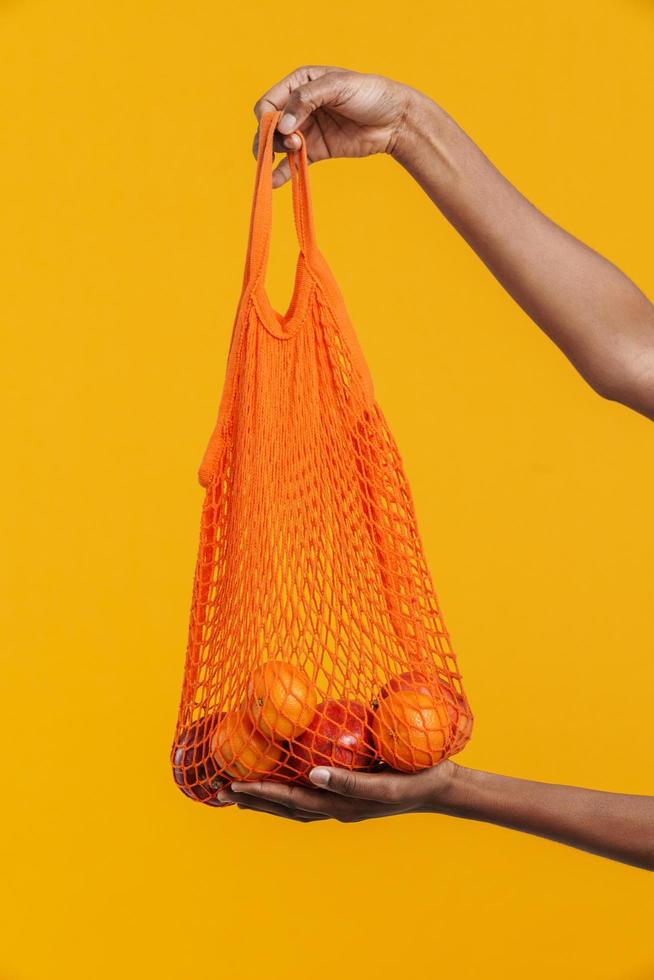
(315, 634)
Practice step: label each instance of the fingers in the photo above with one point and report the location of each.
(328, 89)
(276, 99)
(277, 96)
(281, 173)
(248, 801)
(382, 787)
(281, 144)
(280, 811)
(214, 801)
(299, 95)
(289, 795)
(292, 142)
(362, 800)
(277, 810)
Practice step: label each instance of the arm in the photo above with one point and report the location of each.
(609, 824)
(592, 311)
(612, 825)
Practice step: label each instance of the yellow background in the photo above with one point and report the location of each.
(125, 175)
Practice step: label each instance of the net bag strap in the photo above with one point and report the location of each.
(261, 215)
(256, 262)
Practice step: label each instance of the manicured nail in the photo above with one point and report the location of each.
(291, 142)
(238, 787)
(287, 123)
(223, 797)
(319, 776)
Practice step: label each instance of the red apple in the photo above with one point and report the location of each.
(194, 769)
(338, 735)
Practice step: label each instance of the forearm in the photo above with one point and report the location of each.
(592, 311)
(609, 824)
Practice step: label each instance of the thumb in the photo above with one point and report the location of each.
(357, 785)
(305, 99)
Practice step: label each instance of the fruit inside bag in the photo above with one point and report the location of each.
(315, 634)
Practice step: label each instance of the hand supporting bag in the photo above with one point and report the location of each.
(315, 633)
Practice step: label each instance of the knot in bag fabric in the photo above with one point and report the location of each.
(315, 634)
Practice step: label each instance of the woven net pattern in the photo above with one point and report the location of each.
(315, 635)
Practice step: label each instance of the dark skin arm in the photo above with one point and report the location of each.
(591, 310)
(612, 825)
(600, 320)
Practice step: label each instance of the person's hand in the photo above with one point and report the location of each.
(346, 796)
(340, 114)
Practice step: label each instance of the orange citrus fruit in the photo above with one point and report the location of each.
(411, 730)
(460, 715)
(281, 699)
(410, 680)
(242, 751)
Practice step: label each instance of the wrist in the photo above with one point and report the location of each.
(422, 122)
(454, 790)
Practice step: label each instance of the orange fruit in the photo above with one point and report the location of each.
(410, 680)
(460, 715)
(281, 699)
(411, 730)
(243, 752)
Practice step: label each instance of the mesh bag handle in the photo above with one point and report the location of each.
(261, 215)
(282, 326)
(312, 273)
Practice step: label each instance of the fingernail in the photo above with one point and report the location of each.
(287, 123)
(223, 797)
(319, 776)
(238, 787)
(291, 142)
